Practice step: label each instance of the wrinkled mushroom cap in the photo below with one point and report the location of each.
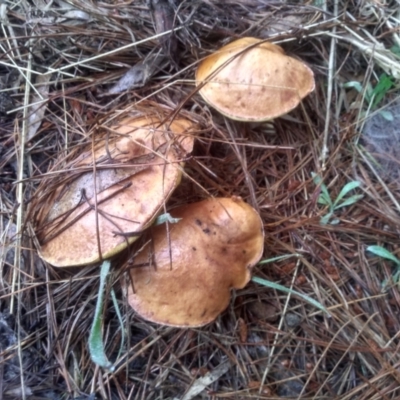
(138, 165)
(211, 251)
(257, 84)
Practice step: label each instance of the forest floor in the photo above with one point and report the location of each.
(60, 69)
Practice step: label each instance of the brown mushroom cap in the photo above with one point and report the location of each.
(257, 84)
(184, 278)
(138, 165)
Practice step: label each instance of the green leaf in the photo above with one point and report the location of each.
(395, 49)
(346, 189)
(351, 200)
(323, 201)
(324, 190)
(325, 219)
(383, 86)
(167, 217)
(96, 346)
(316, 178)
(396, 276)
(284, 289)
(387, 115)
(325, 194)
(382, 252)
(369, 92)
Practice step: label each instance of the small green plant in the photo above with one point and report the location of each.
(96, 344)
(340, 201)
(382, 252)
(375, 94)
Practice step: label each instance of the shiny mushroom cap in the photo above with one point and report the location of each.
(138, 163)
(184, 279)
(250, 80)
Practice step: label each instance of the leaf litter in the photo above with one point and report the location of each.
(85, 48)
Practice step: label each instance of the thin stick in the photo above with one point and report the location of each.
(331, 77)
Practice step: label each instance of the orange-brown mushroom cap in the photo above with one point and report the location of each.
(250, 80)
(185, 278)
(138, 165)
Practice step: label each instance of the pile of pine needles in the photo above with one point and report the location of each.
(60, 69)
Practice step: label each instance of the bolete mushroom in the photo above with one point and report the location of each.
(93, 210)
(184, 278)
(251, 80)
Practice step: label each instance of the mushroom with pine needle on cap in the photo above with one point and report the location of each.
(80, 220)
(252, 80)
(184, 279)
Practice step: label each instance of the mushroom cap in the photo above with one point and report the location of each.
(138, 165)
(184, 278)
(255, 84)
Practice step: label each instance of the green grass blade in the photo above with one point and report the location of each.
(284, 289)
(382, 252)
(96, 345)
(273, 259)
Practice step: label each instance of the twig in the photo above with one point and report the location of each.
(331, 77)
